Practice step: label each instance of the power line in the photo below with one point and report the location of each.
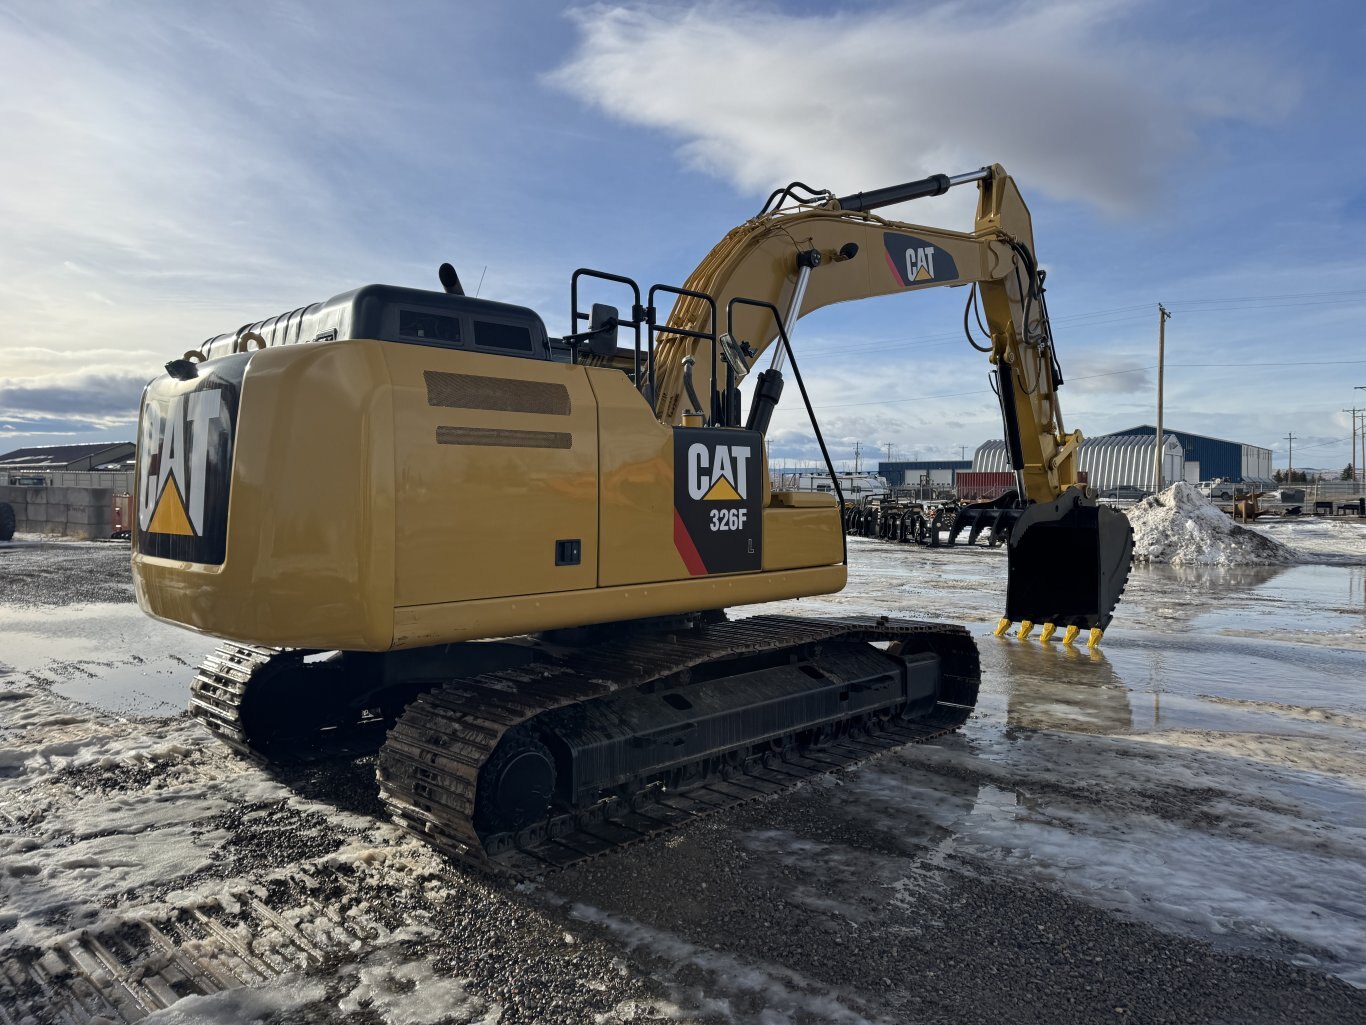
(1116, 314)
(1092, 377)
(975, 391)
(1320, 444)
(1293, 363)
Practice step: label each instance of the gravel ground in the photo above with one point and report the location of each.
(953, 946)
(861, 897)
(45, 574)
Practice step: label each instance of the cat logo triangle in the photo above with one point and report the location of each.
(722, 491)
(170, 516)
(923, 274)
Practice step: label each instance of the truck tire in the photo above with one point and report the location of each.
(7, 521)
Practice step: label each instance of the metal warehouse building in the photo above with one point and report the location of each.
(1110, 461)
(1125, 458)
(1214, 457)
(922, 471)
(103, 456)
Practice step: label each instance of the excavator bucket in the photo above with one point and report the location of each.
(1068, 564)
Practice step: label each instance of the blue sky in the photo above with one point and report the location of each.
(171, 171)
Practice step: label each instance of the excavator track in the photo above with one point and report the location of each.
(268, 704)
(430, 766)
(221, 685)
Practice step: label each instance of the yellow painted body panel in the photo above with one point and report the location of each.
(803, 499)
(353, 525)
(500, 617)
(800, 536)
(310, 556)
(479, 521)
(637, 462)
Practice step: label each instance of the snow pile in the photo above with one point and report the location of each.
(1182, 527)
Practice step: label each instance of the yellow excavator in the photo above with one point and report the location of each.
(415, 514)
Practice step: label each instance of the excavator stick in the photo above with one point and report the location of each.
(1068, 563)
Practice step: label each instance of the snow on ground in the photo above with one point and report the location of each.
(1337, 539)
(1113, 825)
(1204, 771)
(1182, 527)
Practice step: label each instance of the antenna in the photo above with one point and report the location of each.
(481, 280)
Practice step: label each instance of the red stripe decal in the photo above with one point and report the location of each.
(892, 264)
(683, 542)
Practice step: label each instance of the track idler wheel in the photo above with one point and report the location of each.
(1069, 562)
(291, 702)
(516, 785)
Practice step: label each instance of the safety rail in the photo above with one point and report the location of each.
(639, 314)
(705, 336)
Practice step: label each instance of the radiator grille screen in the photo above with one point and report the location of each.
(469, 391)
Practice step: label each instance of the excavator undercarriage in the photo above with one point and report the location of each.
(522, 758)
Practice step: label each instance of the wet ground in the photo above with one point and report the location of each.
(1169, 830)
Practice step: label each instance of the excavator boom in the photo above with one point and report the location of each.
(1069, 557)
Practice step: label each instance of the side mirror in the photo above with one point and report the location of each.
(602, 329)
(604, 317)
(734, 354)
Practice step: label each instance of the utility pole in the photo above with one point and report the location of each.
(962, 452)
(889, 451)
(1162, 317)
(856, 456)
(1356, 467)
(1353, 464)
(1290, 470)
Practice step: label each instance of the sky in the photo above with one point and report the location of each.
(171, 171)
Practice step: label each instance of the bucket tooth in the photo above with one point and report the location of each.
(1026, 628)
(1071, 634)
(1001, 627)
(1068, 562)
(1047, 634)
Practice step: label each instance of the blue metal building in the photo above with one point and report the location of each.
(922, 471)
(1215, 457)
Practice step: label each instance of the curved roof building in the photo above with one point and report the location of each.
(1109, 461)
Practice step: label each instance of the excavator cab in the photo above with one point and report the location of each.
(1068, 563)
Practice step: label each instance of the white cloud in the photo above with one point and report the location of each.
(1064, 94)
(101, 398)
(924, 409)
(170, 174)
(1091, 375)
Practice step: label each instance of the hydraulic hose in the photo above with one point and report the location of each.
(688, 364)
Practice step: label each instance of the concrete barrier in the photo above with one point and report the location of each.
(71, 512)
